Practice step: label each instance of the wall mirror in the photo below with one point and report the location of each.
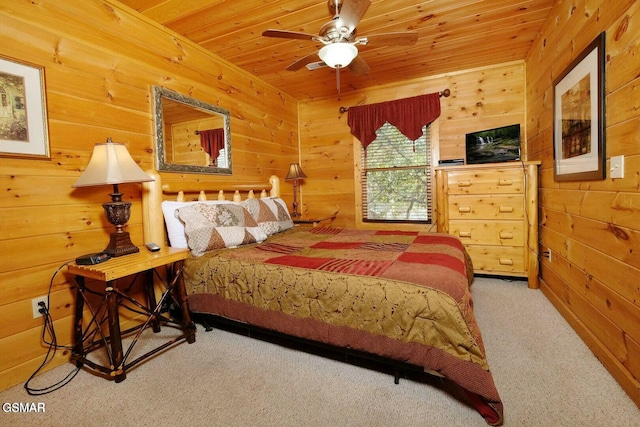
(191, 136)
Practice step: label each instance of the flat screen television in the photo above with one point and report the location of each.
(494, 145)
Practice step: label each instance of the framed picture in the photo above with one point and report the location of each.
(23, 113)
(578, 117)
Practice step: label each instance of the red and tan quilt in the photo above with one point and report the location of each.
(400, 295)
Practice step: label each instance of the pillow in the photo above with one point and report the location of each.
(218, 226)
(175, 227)
(270, 213)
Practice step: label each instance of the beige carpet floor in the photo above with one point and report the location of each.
(545, 374)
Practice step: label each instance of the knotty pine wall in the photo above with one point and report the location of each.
(593, 227)
(101, 61)
(481, 98)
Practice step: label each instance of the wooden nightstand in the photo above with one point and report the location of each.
(315, 220)
(92, 336)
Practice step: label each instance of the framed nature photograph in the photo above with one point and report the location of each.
(23, 110)
(578, 117)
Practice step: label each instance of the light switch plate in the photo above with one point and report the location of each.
(617, 167)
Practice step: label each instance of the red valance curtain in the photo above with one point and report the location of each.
(408, 115)
(212, 141)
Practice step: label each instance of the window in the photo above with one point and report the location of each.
(221, 161)
(396, 177)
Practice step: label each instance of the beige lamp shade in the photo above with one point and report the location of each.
(295, 173)
(111, 163)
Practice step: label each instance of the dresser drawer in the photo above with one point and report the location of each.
(503, 233)
(485, 181)
(486, 207)
(495, 260)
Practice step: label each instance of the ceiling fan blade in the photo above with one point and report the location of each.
(403, 38)
(302, 62)
(289, 35)
(358, 66)
(316, 65)
(351, 12)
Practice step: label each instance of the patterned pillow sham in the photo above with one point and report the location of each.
(270, 213)
(218, 226)
(175, 227)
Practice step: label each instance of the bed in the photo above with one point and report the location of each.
(402, 296)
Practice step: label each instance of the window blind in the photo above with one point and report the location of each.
(396, 177)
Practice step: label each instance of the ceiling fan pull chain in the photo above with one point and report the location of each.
(338, 78)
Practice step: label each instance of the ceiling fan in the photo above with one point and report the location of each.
(340, 40)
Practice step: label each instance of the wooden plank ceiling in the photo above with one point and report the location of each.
(452, 35)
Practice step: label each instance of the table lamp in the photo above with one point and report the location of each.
(111, 164)
(295, 174)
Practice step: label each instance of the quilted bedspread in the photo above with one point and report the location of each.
(400, 295)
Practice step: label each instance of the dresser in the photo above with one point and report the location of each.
(493, 209)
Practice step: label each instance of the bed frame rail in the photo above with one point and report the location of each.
(351, 356)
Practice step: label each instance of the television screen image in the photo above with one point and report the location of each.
(494, 145)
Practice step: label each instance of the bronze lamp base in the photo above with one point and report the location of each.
(120, 244)
(118, 213)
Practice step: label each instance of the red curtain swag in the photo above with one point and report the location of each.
(408, 115)
(212, 141)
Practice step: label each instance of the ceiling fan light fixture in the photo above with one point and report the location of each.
(338, 54)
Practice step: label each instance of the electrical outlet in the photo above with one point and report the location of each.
(546, 253)
(36, 307)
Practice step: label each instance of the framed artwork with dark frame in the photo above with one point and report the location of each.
(579, 117)
(23, 110)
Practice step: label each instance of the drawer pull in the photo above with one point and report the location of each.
(506, 261)
(465, 183)
(505, 181)
(464, 234)
(464, 209)
(506, 235)
(506, 209)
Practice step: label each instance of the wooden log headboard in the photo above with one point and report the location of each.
(153, 193)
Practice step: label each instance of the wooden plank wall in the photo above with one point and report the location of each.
(101, 61)
(186, 148)
(593, 227)
(481, 98)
